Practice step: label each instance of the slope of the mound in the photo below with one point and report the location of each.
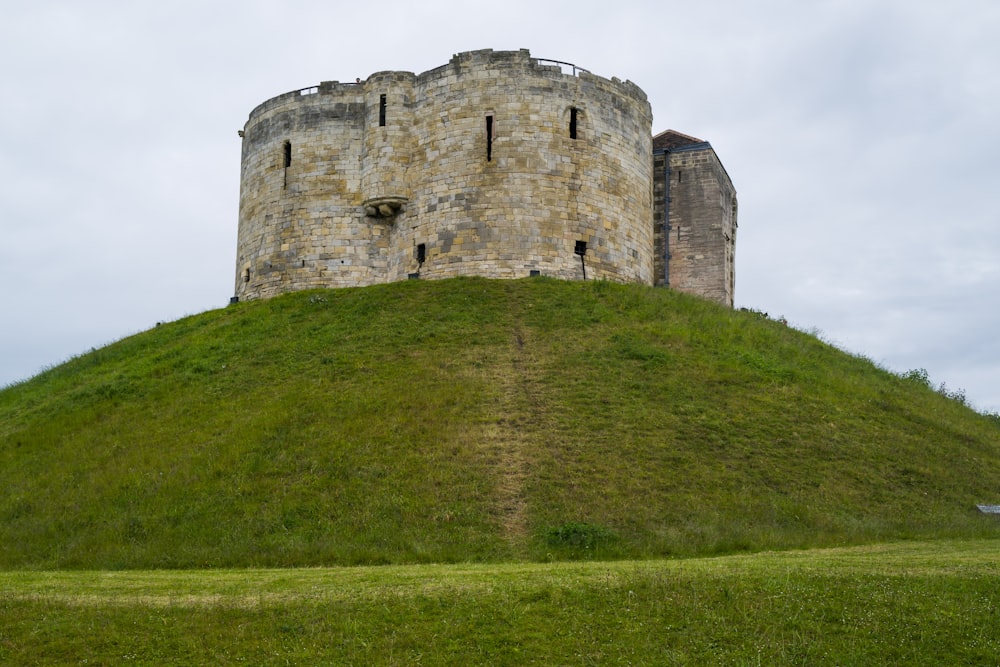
(472, 419)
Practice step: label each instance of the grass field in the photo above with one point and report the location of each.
(914, 603)
(492, 472)
(477, 420)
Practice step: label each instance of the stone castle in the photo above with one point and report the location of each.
(497, 164)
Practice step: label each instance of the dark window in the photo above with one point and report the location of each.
(288, 154)
(381, 111)
(489, 138)
(572, 122)
(246, 276)
(421, 253)
(581, 250)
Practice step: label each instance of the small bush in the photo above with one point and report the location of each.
(579, 537)
(918, 375)
(957, 395)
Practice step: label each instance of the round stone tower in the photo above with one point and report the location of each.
(496, 164)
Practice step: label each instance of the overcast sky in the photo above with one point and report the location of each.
(863, 137)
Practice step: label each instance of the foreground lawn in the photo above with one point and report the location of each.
(905, 603)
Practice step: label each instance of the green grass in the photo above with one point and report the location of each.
(504, 465)
(473, 420)
(901, 604)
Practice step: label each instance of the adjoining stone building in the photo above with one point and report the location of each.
(694, 202)
(496, 164)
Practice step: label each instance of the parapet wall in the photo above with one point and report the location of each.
(496, 164)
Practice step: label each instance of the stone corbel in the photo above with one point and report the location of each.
(384, 207)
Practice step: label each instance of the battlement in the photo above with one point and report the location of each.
(460, 62)
(495, 164)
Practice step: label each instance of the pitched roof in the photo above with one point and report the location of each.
(671, 139)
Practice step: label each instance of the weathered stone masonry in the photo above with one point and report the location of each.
(694, 213)
(496, 164)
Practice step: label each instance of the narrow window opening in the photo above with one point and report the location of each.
(421, 253)
(679, 173)
(288, 154)
(489, 138)
(572, 122)
(581, 250)
(381, 111)
(246, 276)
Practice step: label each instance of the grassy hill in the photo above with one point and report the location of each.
(477, 420)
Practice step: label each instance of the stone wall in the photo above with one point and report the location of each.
(695, 212)
(300, 189)
(470, 167)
